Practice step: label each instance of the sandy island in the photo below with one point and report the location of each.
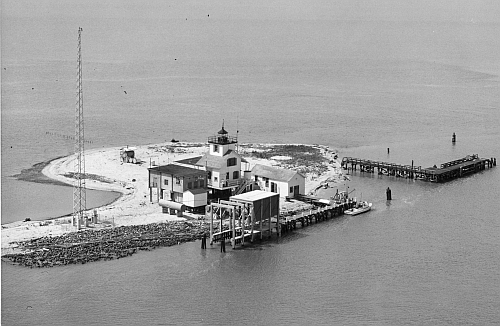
(105, 171)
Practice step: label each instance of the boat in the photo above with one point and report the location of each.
(361, 207)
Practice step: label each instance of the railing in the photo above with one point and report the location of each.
(222, 139)
(459, 161)
(241, 188)
(224, 184)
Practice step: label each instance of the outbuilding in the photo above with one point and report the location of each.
(285, 182)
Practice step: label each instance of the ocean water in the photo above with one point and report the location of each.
(361, 83)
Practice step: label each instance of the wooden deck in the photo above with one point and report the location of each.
(445, 172)
(287, 223)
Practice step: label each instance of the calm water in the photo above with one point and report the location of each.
(431, 256)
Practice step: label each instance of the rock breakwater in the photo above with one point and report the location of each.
(104, 244)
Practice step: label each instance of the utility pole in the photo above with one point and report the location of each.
(79, 191)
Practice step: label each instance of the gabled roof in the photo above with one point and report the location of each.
(229, 151)
(190, 160)
(274, 173)
(197, 191)
(217, 162)
(177, 170)
(211, 161)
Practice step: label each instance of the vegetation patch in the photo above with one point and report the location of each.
(305, 158)
(89, 176)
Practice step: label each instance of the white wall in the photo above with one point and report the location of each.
(191, 200)
(284, 187)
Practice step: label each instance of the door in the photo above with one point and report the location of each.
(295, 191)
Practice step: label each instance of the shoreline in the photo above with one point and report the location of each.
(107, 173)
(34, 174)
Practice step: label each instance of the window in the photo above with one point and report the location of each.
(236, 174)
(209, 174)
(267, 181)
(177, 181)
(232, 161)
(216, 148)
(291, 189)
(165, 182)
(256, 178)
(216, 179)
(227, 175)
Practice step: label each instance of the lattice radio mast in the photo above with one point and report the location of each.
(79, 193)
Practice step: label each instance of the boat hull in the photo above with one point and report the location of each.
(359, 210)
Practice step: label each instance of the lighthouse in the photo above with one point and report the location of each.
(223, 164)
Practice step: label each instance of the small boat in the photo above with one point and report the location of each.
(361, 207)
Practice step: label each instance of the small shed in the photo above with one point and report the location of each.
(265, 205)
(288, 183)
(195, 197)
(127, 155)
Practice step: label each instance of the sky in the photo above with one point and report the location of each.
(388, 10)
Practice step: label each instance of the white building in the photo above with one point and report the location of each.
(287, 183)
(223, 164)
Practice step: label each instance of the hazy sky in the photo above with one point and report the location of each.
(417, 10)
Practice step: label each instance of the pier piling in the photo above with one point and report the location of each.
(445, 172)
(388, 193)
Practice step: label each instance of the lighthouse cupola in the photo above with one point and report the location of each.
(221, 143)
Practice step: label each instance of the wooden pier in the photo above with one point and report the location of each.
(447, 171)
(319, 214)
(284, 225)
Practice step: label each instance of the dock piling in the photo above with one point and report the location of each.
(388, 193)
(204, 241)
(446, 171)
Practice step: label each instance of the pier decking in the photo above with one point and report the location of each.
(319, 214)
(447, 171)
(284, 224)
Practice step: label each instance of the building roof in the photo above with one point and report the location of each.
(216, 162)
(222, 131)
(128, 149)
(177, 170)
(211, 161)
(229, 151)
(274, 173)
(190, 160)
(254, 195)
(197, 191)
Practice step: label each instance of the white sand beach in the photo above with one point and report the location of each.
(107, 172)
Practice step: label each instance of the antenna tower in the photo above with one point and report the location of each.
(79, 193)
